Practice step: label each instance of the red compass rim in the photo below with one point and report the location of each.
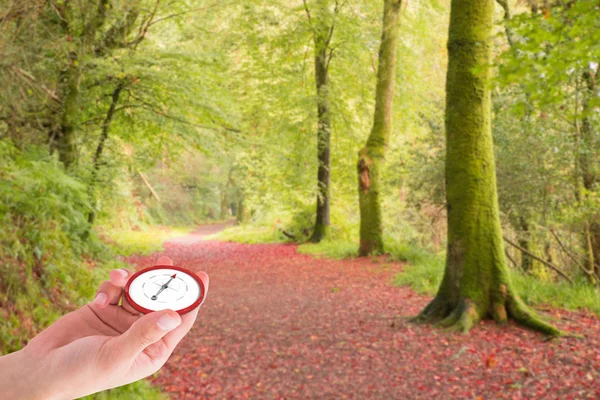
(176, 268)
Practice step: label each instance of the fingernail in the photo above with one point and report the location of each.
(122, 272)
(100, 299)
(167, 323)
(118, 274)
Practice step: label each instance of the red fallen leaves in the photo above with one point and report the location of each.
(271, 328)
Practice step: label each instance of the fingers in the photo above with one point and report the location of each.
(107, 294)
(146, 331)
(119, 277)
(110, 292)
(173, 338)
(206, 280)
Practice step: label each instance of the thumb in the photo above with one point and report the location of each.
(146, 331)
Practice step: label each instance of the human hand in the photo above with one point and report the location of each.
(100, 346)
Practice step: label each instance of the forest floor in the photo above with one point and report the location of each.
(281, 325)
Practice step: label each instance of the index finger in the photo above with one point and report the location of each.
(119, 277)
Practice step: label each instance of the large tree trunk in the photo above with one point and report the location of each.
(371, 157)
(476, 284)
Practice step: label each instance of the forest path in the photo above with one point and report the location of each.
(281, 325)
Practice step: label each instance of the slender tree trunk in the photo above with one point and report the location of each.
(322, 38)
(100, 148)
(241, 209)
(371, 157)
(64, 137)
(322, 221)
(476, 284)
(587, 152)
(526, 261)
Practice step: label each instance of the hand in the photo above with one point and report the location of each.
(100, 346)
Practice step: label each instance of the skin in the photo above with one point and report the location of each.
(100, 346)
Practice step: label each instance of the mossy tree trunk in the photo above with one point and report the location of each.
(476, 284)
(322, 35)
(371, 157)
(63, 139)
(64, 142)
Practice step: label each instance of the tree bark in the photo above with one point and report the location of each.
(64, 137)
(322, 221)
(241, 209)
(526, 261)
(100, 148)
(322, 34)
(591, 234)
(371, 157)
(476, 283)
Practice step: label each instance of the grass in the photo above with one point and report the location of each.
(425, 270)
(137, 390)
(141, 242)
(330, 249)
(250, 235)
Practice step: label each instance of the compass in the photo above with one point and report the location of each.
(164, 287)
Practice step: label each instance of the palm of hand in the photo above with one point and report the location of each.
(109, 340)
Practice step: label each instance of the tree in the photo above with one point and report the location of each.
(322, 35)
(476, 284)
(558, 47)
(371, 157)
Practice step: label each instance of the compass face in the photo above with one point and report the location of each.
(164, 287)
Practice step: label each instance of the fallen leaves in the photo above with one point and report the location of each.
(280, 325)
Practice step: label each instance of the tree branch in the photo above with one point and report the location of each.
(572, 257)
(554, 267)
(309, 18)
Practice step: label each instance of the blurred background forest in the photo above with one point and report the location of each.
(123, 123)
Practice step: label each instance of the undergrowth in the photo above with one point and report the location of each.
(49, 263)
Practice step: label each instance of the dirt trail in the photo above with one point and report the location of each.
(280, 325)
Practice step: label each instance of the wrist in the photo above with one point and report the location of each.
(26, 377)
